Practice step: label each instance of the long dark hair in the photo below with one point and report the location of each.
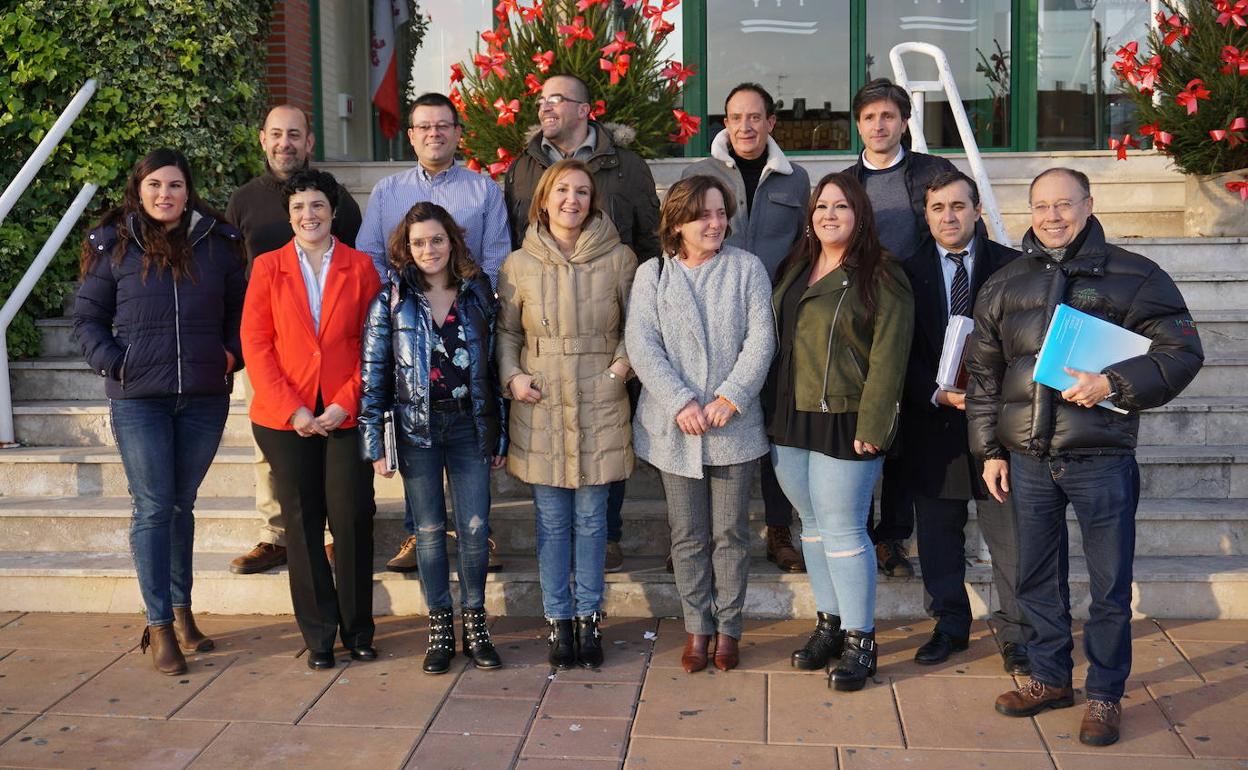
(461, 266)
(864, 255)
(162, 249)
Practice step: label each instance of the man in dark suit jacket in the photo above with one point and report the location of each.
(946, 275)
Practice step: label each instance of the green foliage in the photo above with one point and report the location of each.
(1191, 47)
(187, 74)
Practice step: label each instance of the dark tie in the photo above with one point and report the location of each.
(960, 293)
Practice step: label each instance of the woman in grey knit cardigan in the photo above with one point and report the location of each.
(700, 336)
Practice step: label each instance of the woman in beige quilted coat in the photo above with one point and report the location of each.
(561, 359)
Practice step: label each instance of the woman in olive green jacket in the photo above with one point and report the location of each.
(844, 317)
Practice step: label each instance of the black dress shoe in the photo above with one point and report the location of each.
(320, 660)
(364, 652)
(1015, 658)
(939, 648)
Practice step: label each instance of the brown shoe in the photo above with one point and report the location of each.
(693, 659)
(780, 550)
(329, 554)
(262, 558)
(614, 561)
(1100, 723)
(166, 656)
(893, 559)
(495, 563)
(405, 559)
(189, 637)
(726, 653)
(1032, 697)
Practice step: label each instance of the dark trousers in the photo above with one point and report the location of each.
(777, 510)
(1105, 491)
(896, 519)
(940, 531)
(319, 478)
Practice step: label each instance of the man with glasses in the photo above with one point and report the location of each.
(1049, 448)
(472, 199)
(625, 192)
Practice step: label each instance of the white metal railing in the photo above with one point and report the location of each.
(32, 275)
(916, 89)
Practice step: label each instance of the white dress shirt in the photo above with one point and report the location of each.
(314, 283)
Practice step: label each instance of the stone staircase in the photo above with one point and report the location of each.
(64, 508)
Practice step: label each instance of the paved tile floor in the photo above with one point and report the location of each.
(76, 693)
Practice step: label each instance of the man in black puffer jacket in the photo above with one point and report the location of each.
(1056, 448)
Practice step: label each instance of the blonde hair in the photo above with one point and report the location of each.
(537, 207)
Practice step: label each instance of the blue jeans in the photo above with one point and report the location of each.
(453, 449)
(167, 444)
(571, 523)
(833, 498)
(1105, 490)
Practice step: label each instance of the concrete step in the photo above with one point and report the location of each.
(1223, 332)
(1164, 587)
(1222, 375)
(1212, 290)
(56, 338)
(65, 377)
(1192, 255)
(1164, 527)
(1196, 420)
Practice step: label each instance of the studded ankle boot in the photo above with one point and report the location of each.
(826, 642)
(441, 641)
(857, 662)
(589, 641)
(477, 644)
(562, 644)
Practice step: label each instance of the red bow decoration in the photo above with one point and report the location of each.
(457, 73)
(1239, 187)
(1128, 51)
(599, 109)
(505, 7)
(1231, 13)
(473, 165)
(495, 38)
(1121, 145)
(621, 44)
(1147, 74)
(658, 26)
(617, 68)
(1233, 134)
(534, 85)
(1177, 27)
(575, 31)
(492, 63)
(1188, 96)
(661, 28)
(507, 111)
(532, 14)
(504, 162)
(585, 5)
(1161, 139)
(687, 126)
(677, 72)
(544, 60)
(1234, 59)
(457, 100)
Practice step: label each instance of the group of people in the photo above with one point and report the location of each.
(566, 324)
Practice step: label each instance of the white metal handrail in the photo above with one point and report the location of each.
(992, 211)
(8, 199)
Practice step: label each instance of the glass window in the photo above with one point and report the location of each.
(975, 36)
(1078, 106)
(798, 51)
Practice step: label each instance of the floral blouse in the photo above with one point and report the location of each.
(448, 369)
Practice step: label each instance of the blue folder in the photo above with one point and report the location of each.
(1086, 343)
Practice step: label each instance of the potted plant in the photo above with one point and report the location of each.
(615, 46)
(1190, 90)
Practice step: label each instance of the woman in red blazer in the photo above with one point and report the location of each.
(305, 309)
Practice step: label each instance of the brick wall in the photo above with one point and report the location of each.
(288, 67)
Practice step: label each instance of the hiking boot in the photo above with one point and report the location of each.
(780, 550)
(1100, 723)
(1032, 697)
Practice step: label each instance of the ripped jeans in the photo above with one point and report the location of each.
(833, 498)
(453, 448)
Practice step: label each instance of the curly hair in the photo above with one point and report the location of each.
(399, 253)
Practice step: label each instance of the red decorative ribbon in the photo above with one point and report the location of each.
(687, 126)
(505, 160)
(575, 31)
(534, 86)
(1188, 96)
(1234, 59)
(1177, 27)
(505, 7)
(457, 73)
(492, 63)
(618, 68)
(532, 14)
(599, 109)
(495, 38)
(544, 60)
(677, 72)
(1161, 139)
(507, 111)
(1233, 134)
(1239, 187)
(1121, 145)
(1228, 12)
(585, 5)
(621, 44)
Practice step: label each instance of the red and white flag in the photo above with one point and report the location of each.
(388, 15)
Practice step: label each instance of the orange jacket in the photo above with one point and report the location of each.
(287, 360)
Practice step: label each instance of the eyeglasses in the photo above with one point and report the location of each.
(1062, 208)
(554, 100)
(441, 128)
(436, 242)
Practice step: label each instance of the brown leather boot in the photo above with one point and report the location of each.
(165, 653)
(262, 558)
(693, 659)
(1100, 723)
(780, 550)
(726, 653)
(1032, 697)
(190, 639)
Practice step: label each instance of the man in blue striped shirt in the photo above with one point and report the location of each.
(474, 200)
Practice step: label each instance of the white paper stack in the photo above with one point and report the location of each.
(951, 374)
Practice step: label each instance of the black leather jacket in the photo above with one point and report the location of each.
(1008, 412)
(394, 361)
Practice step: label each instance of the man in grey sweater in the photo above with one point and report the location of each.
(771, 197)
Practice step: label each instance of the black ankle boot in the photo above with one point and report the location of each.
(827, 641)
(857, 662)
(589, 641)
(477, 644)
(562, 644)
(441, 641)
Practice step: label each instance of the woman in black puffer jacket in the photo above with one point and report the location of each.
(428, 354)
(158, 318)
